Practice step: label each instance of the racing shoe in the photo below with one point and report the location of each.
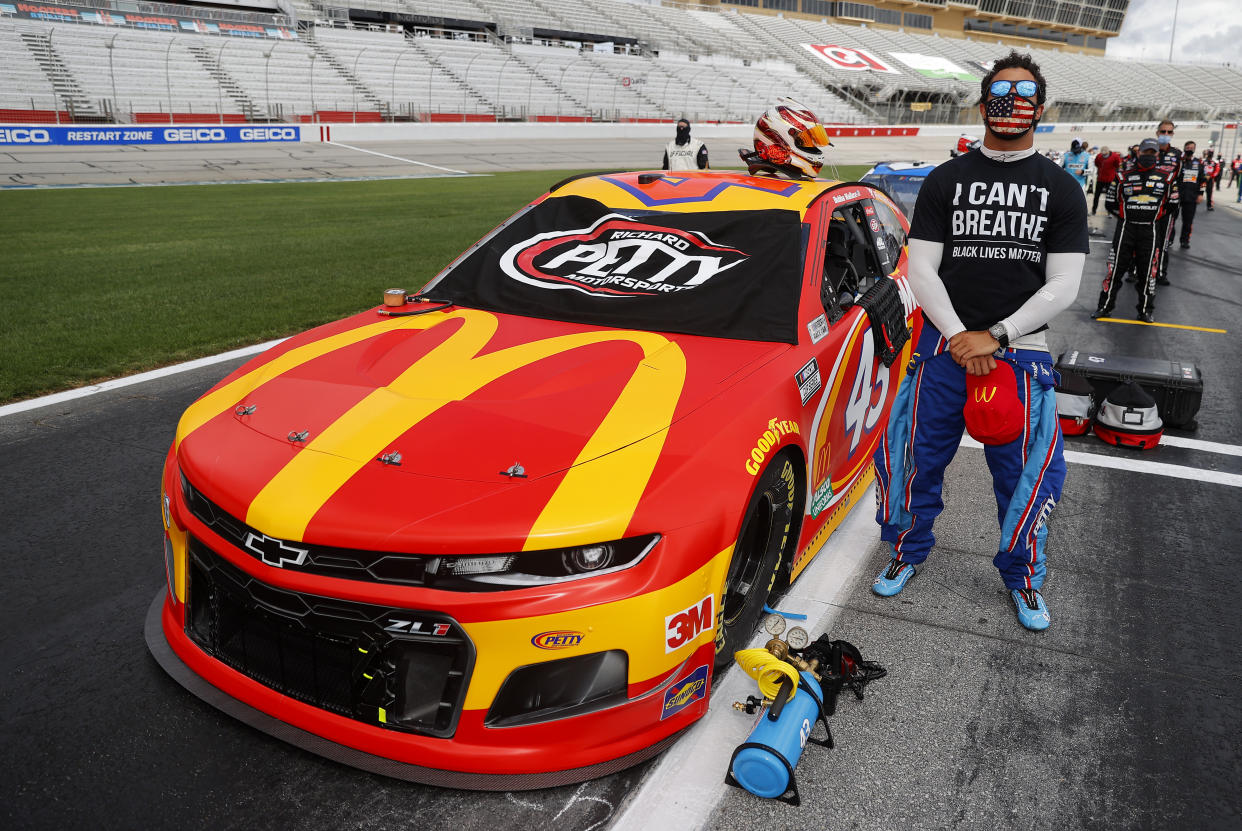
(1101, 312)
(1146, 317)
(1031, 609)
(893, 578)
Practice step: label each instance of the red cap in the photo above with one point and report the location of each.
(994, 415)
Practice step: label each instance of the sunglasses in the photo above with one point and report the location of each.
(1026, 89)
(1165, 132)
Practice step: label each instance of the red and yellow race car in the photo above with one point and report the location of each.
(502, 533)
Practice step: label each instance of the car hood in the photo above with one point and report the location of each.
(354, 419)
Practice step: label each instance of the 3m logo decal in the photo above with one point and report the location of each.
(557, 640)
(619, 257)
(684, 626)
(684, 692)
(275, 552)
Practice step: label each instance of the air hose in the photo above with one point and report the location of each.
(768, 670)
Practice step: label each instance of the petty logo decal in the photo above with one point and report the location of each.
(619, 257)
(684, 626)
(560, 639)
(681, 694)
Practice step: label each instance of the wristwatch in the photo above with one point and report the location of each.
(1001, 334)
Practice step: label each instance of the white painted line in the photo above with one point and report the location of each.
(688, 782)
(1205, 446)
(450, 175)
(117, 383)
(394, 158)
(1194, 474)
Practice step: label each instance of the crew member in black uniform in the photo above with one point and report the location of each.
(1190, 191)
(1171, 163)
(1142, 195)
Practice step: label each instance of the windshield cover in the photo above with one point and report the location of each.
(728, 274)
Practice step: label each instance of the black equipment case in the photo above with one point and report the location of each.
(1177, 386)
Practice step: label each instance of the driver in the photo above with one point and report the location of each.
(787, 140)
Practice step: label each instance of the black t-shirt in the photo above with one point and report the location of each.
(998, 222)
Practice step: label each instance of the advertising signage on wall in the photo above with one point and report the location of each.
(84, 135)
(933, 66)
(62, 13)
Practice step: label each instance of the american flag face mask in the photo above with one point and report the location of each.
(1009, 116)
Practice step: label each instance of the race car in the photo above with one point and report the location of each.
(505, 532)
(900, 180)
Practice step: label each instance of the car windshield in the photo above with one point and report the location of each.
(728, 274)
(903, 188)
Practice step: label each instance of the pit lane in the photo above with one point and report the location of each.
(1124, 715)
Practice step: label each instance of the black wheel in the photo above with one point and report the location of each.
(757, 557)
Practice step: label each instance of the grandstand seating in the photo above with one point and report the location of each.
(527, 62)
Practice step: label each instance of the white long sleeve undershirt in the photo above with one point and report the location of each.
(1062, 275)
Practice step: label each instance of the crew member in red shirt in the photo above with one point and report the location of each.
(1106, 164)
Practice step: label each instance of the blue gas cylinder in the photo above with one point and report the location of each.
(756, 766)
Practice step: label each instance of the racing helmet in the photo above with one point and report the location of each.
(964, 145)
(1129, 417)
(788, 136)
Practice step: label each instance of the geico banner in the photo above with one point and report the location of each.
(123, 134)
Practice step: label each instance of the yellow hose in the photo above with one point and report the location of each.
(767, 669)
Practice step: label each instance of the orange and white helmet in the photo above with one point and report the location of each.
(788, 136)
(964, 145)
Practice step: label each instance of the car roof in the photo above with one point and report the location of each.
(903, 168)
(696, 191)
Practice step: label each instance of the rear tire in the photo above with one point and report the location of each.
(758, 557)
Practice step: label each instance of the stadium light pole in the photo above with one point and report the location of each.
(1173, 35)
(168, 78)
(267, 90)
(112, 72)
(500, 77)
(220, 82)
(354, 86)
(312, 87)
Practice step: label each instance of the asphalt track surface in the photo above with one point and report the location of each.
(1125, 714)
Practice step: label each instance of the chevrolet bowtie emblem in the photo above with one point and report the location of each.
(275, 552)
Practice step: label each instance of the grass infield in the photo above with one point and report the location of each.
(100, 283)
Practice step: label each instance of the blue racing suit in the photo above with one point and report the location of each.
(923, 435)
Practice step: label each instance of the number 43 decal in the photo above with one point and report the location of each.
(866, 398)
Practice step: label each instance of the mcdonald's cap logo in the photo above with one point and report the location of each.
(994, 414)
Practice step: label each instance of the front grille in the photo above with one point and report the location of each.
(398, 668)
(347, 563)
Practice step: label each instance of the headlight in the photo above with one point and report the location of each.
(538, 568)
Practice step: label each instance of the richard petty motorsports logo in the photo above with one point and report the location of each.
(619, 257)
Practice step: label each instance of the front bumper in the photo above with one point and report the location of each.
(162, 630)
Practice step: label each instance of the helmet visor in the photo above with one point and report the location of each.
(814, 136)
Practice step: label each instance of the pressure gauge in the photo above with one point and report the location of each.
(797, 638)
(774, 624)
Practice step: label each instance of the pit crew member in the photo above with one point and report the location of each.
(1143, 195)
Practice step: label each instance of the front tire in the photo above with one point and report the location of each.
(757, 557)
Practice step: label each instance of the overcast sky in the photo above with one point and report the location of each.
(1208, 31)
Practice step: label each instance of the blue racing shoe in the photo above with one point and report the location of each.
(893, 578)
(1032, 611)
